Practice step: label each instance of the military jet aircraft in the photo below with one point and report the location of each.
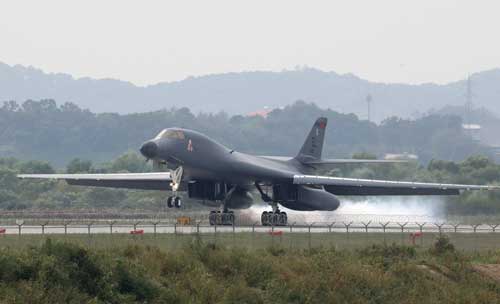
(225, 178)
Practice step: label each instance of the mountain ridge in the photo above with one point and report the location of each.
(244, 92)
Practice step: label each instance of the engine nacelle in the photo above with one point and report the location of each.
(240, 199)
(311, 199)
(206, 190)
(211, 193)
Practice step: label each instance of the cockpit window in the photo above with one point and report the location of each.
(175, 134)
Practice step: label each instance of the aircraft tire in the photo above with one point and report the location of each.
(170, 202)
(177, 202)
(227, 218)
(282, 219)
(275, 219)
(264, 219)
(212, 218)
(230, 218)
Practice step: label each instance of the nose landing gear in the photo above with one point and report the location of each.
(174, 201)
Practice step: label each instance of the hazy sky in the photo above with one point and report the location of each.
(151, 41)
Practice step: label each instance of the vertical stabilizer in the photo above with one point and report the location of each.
(313, 146)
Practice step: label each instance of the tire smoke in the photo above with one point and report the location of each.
(375, 209)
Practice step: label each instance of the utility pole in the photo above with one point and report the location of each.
(368, 103)
(468, 102)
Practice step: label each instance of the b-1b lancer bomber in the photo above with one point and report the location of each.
(225, 178)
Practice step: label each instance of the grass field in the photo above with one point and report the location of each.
(259, 240)
(221, 269)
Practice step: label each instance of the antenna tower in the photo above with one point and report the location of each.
(468, 102)
(368, 103)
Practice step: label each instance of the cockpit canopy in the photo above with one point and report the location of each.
(171, 134)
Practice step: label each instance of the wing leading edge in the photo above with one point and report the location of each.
(145, 181)
(351, 186)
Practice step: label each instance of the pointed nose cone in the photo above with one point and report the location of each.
(149, 149)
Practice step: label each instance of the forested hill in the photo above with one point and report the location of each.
(43, 130)
(238, 93)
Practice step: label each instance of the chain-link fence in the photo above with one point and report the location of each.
(166, 233)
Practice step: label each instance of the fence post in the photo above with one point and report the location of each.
(253, 227)
(475, 227)
(310, 234)
(440, 226)
(494, 227)
(330, 227)
(135, 225)
(402, 225)
(111, 224)
(198, 227)
(19, 224)
(66, 223)
(347, 225)
(455, 227)
(366, 225)
(88, 227)
(291, 226)
(154, 227)
(43, 227)
(384, 225)
(421, 226)
(175, 228)
(421, 229)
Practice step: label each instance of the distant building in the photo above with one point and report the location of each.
(263, 113)
(473, 130)
(403, 156)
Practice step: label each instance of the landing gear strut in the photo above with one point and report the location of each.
(275, 217)
(175, 201)
(225, 217)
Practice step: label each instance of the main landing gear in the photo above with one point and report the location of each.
(225, 218)
(275, 217)
(175, 201)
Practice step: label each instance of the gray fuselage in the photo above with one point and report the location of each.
(205, 159)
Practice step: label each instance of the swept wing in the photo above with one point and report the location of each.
(352, 186)
(146, 181)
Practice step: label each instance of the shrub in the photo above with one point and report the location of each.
(387, 255)
(442, 245)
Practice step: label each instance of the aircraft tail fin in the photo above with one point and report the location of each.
(313, 145)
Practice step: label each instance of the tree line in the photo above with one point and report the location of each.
(44, 130)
